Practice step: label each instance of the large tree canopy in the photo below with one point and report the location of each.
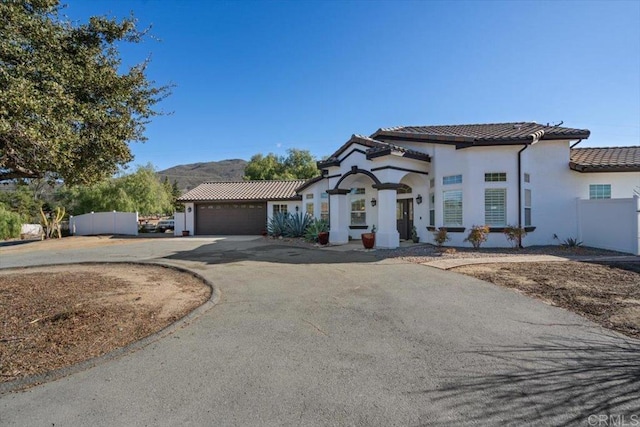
(298, 164)
(140, 191)
(66, 112)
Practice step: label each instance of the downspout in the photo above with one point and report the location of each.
(573, 145)
(536, 136)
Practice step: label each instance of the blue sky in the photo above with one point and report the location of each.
(265, 76)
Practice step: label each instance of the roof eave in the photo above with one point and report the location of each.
(605, 168)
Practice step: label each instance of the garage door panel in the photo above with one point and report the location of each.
(231, 218)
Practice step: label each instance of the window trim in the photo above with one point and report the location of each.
(452, 179)
(600, 191)
(495, 177)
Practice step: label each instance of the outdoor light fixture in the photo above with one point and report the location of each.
(419, 199)
(297, 208)
(373, 201)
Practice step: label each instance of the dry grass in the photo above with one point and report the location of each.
(52, 317)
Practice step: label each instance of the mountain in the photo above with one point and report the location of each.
(190, 176)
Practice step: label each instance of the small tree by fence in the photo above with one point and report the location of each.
(10, 224)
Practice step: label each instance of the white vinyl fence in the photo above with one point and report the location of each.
(104, 223)
(610, 224)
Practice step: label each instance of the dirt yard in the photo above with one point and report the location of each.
(52, 317)
(607, 293)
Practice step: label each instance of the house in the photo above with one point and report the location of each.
(457, 176)
(237, 208)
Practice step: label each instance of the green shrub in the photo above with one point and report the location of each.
(571, 243)
(10, 224)
(277, 224)
(296, 224)
(478, 235)
(316, 226)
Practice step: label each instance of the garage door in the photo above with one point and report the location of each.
(231, 218)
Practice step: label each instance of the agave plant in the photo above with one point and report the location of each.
(316, 226)
(296, 224)
(277, 224)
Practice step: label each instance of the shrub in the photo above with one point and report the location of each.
(316, 226)
(414, 234)
(277, 224)
(514, 235)
(441, 236)
(296, 224)
(571, 243)
(478, 235)
(10, 224)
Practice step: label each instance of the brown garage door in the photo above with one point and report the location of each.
(231, 218)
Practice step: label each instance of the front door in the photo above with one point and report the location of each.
(404, 217)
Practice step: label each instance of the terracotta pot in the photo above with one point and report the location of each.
(323, 237)
(185, 233)
(368, 240)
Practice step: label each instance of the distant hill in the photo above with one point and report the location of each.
(190, 176)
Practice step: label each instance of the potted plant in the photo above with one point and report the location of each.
(369, 239)
(414, 235)
(317, 231)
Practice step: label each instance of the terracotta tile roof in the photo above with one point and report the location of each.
(244, 190)
(482, 134)
(606, 159)
(376, 149)
(309, 182)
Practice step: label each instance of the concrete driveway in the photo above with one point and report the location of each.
(316, 337)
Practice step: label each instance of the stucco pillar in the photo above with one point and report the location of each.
(339, 217)
(387, 235)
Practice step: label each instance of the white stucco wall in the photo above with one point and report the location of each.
(179, 218)
(623, 184)
(291, 207)
(596, 219)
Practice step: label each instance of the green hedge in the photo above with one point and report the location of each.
(10, 224)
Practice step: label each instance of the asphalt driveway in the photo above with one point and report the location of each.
(315, 337)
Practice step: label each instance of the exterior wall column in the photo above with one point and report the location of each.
(339, 218)
(387, 235)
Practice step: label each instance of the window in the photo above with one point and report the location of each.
(452, 212)
(495, 206)
(403, 189)
(600, 191)
(279, 209)
(527, 208)
(309, 205)
(432, 209)
(358, 207)
(495, 177)
(324, 206)
(452, 179)
(527, 177)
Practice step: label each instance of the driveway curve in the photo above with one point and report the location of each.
(311, 337)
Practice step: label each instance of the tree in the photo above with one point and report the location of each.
(141, 191)
(22, 200)
(299, 164)
(65, 111)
